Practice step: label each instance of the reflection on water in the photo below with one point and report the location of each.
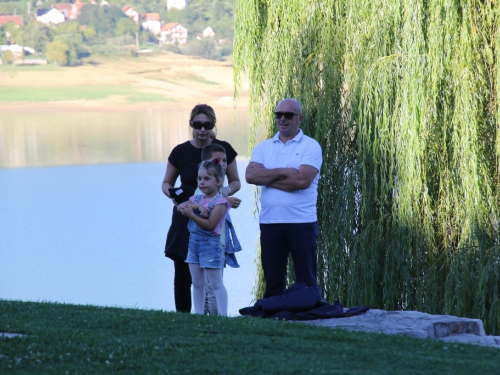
(73, 138)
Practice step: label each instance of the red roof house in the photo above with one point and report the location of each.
(131, 13)
(173, 32)
(4, 20)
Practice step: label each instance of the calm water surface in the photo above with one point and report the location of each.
(82, 216)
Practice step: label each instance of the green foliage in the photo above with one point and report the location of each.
(57, 52)
(70, 34)
(11, 7)
(7, 57)
(206, 48)
(403, 97)
(125, 26)
(103, 19)
(11, 33)
(100, 24)
(89, 34)
(94, 340)
(172, 48)
(36, 35)
(122, 40)
(226, 50)
(218, 14)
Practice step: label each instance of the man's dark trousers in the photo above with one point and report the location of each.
(277, 241)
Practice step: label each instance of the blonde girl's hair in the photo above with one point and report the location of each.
(213, 169)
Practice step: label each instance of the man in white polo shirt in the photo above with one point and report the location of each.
(287, 167)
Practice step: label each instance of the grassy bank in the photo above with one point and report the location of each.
(64, 338)
(76, 92)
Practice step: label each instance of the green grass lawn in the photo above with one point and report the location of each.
(76, 339)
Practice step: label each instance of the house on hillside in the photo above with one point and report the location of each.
(50, 16)
(151, 22)
(208, 32)
(176, 4)
(131, 13)
(5, 19)
(66, 9)
(173, 32)
(17, 50)
(72, 11)
(93, 2)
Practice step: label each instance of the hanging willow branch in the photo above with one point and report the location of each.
(403, 98)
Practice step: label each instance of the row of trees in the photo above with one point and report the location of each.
(403, 96)
(107, 25)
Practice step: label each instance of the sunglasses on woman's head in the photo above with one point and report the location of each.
(288, 115)
(198, 125)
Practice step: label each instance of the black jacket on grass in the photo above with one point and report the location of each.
(300, 302)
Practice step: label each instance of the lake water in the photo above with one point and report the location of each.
(82, 216)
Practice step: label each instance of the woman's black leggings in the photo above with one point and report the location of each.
(182, 286)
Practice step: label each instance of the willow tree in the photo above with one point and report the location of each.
(403, 98)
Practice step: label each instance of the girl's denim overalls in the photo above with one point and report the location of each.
(204, 248)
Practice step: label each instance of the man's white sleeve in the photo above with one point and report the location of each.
(313, 156)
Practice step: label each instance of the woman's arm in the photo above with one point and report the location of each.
(171, 175)
(233, 179)
(234, 202)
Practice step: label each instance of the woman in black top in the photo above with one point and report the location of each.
(183, 161)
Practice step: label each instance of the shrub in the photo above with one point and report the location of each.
(8, 57)
(206, 48)
(57, 52)
(171, 48)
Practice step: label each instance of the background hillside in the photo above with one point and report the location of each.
(105, 29)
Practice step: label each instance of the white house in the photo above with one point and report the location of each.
(176, 4)
(17, 49)
(208, 32)
(151, 22)
(132, 14)
(50, 16)
(173, 32)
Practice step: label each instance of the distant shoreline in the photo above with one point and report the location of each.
(117, 83)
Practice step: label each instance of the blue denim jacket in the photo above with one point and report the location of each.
(232, 243)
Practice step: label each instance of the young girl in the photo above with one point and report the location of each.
(206, 212)
(228, 238)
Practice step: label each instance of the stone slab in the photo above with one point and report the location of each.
(415, 324)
